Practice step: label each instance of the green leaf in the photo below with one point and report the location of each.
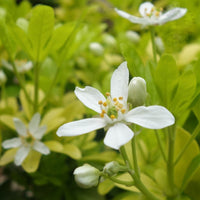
(72, 151)
(105, 187)
(135, 64)
(8, 156)
(166, 76)
(54, 146)
(8, 121)
(32, 161)
(192, 168)
(182, 136)
(40, 30)
(184, 93)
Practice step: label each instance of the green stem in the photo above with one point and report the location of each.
(127, 183)
(21, 82)
(193, 136)
(136, 167)
(153, 43)
(136, 179)
(36, 84)
(170, 161)
(160, 145)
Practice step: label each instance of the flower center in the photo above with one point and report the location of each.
(112, 106)
(153, 13)
(28, 140)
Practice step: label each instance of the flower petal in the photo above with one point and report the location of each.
(145, 8)
(131, 18)
(173, 14)
(152, 117)
(118, 135)
(12, 143)
(80, 127)
(41, 147)
(20, 127)
(119, 82)
(38, 134)
(27, 66)
(34, 123)
(21, 155)
(90, 97)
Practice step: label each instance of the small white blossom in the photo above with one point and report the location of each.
(21, 65)
(152, 16)
(29, 139)
(96, 48)
(3, 77)
(114, 113)
(133, 36)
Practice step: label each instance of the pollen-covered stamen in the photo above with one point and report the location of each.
(120, 98)
(123, 111)
(107, 94)
(112, 117)
(105, 104)
(115, 99)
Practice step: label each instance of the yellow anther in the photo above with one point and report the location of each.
(115, 99)
(116, 103)
(161, 9)
(107, 94)
(100, 102)
(120, 98)
(152, 9)
(145, 9)
(102, 114)
(157, 14)
(120, 105)
(112, 116)
(123, 111)
(103, 111)
(105, 104)
(148, 14)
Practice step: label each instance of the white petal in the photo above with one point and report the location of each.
(34, 123)
(131, 18)
(41, 147)
(20, 127)
(118, 135)
(145, 8)
(21, 155)
(38, 134)
(80, 127)
(119, 82)
(90, 97)
(12, 143)
(27, 66)
(152, 117)
(7, 64)
(173, 14)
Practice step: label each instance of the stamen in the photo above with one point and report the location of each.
(115, 99)
(102, 114)
(105, 104)
(120, 98)
(123, 111)
(100, 102)
(161, 9)
(157, 14)
(120, 105)
(107, 94)
(152, 9)
(112, 116)
(103, 111)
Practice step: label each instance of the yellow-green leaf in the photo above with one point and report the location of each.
(8, 121)
(54, 146)
(105, 187)
(72, 151)
(8, 156)
(32, 161)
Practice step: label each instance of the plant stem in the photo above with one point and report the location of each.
(170, 161)
(127, 183)
(36, 84)
(136, 179)
(21, 82)
(153, 43)
(193, 136)
(160, 145)
(136, 167)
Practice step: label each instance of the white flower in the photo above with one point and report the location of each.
(29, 139)
(86, 176)
(152, 16)
(3, 77)
(96, 48)
(21, 65)
(114, 113)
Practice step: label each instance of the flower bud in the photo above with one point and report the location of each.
(96, 48)
(86, 176)
(133, 36)
(112, 168)
(137, 91)
(159, 45)
(109, 40)
(3, 78)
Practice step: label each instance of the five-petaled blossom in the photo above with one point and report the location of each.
(152, 16)
(29, 139)
(114, 113)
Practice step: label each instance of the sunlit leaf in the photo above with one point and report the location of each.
(8, 156)
(72, 151)
(105, 186)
